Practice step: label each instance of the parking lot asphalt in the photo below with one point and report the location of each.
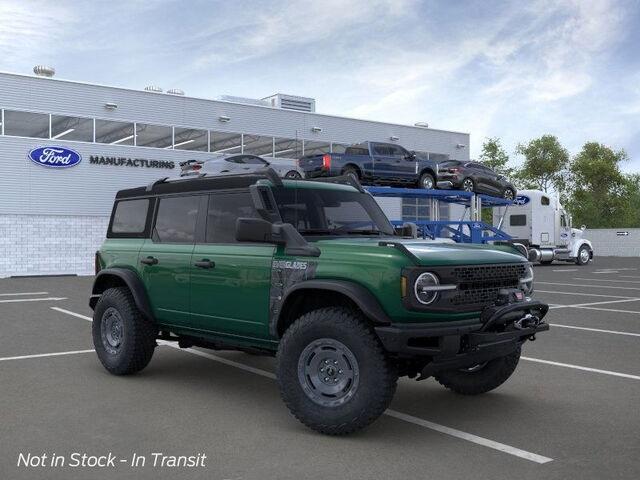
(569, 411)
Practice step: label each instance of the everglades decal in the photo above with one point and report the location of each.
(284, 275)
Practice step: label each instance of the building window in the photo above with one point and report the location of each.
(257, 145)
(114, 133)
(157, 136)
(71, 128)
(316, 148)
(190, 139)
(226, 142)
(26, 124)
(287, 148)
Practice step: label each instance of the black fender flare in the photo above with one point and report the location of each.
(131, 280)
(362, 297)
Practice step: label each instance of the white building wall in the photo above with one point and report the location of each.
(50, 244)
(614, 242)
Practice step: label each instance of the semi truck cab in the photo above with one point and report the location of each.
(539, 221)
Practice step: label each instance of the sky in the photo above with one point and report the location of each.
(514, 70)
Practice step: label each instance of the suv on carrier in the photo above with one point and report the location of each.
(313, 273)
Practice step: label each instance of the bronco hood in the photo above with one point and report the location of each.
(430, 252)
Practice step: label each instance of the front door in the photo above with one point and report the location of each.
(391, 164)
(230, 281)
(565, 230)
(165, 259)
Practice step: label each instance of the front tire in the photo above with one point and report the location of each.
(123, 338)
(508, 194)
(584, 255)
(427, 181)
(333, 373)
(481, 378)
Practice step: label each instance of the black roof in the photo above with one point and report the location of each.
(200, 184)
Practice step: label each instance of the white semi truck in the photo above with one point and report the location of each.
(538, 221)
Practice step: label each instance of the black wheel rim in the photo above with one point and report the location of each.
(293, 175)
(427, 183)
(328, 372)
(112, 330)
(352, 174)
(467, 185)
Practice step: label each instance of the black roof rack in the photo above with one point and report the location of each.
(157, 182)
(342, 180)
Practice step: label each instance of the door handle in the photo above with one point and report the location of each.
(205, 263)
(149, 260)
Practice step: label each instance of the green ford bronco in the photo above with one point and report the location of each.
(313, 273)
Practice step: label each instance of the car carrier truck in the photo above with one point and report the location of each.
(539, 221)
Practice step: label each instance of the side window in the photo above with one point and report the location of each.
(544, 200)
(224, 210)
(252, 160)
(563, 221)
(176, 219)
(381, 150)
(517, 220)
(130, 216)
(397, 151)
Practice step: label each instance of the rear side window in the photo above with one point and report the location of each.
(130, 216)
(176, 219)
(518, 220)
(224, 210)
(356, 151)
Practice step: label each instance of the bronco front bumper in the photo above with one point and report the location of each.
(499, 331)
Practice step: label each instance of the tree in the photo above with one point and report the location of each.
(545, 164)
(495, 157)
(601, 195)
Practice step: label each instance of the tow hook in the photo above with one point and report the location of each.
(528, 321)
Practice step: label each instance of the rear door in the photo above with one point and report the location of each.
(165, 259)
(230, 281)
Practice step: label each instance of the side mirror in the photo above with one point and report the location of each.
(410, 156)
(262, 231)
(583, 227)
(408, 229)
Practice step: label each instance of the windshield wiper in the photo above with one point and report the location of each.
(362, 232)
(319, 231)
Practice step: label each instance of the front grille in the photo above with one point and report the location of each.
(479, 285)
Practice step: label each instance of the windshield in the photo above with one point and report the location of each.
(331, 212)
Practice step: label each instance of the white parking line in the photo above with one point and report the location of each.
(23, 293)
(69, 312)
(610, 310)
(48, 299)
(578, 305)
(533, 457)
(40, 355)
(579, 367)
(566, 270)
(589, 286)
(607, 280)
(579, 294)
(614, 332)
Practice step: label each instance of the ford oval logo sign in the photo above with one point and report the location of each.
(55, 157)
(521, 200)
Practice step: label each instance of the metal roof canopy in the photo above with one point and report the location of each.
(479, 232)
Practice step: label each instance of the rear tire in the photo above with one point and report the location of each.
(351, 172)
(427, 181)
(333, 373)
(123, 338)
(508, 194)
(475, 381)
(293, 175)
(468, 185)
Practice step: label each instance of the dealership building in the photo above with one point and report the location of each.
(53, 219)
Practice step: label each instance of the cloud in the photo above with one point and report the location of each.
(30, 29)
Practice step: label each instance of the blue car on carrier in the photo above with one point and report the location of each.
(375, 163)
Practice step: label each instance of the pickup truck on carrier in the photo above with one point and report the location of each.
(374, 162)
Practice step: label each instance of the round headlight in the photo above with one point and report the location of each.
(526, 282)
(422, 289)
